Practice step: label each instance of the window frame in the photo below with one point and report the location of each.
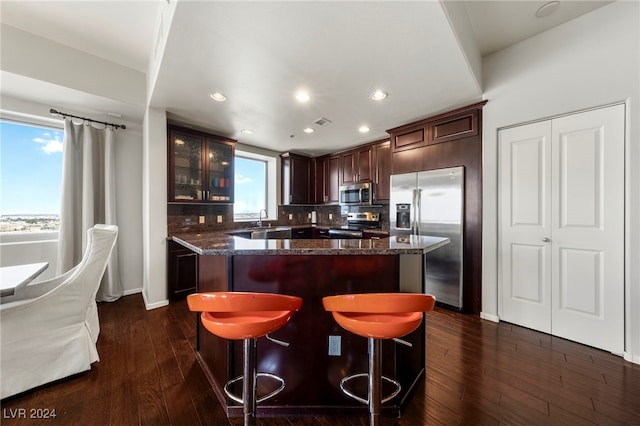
(56, 125)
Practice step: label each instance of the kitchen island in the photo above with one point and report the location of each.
(311, 269)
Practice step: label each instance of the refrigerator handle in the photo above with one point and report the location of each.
(414, 212)
(418, 210)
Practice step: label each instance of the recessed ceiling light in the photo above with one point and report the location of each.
(303, 96)
(217, 96)
(547, 9)
(378, 95)
(308, 130)
(363, 129)
(247, 131)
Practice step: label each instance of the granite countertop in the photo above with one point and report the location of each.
(220, 243)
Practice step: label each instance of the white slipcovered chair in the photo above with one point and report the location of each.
(49, 329)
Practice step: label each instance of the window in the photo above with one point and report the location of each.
(254, 184)
(30, 177)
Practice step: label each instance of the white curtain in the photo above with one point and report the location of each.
(88, 197)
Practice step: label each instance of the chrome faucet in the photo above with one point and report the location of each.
(260, 216)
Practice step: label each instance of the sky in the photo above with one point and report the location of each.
(250, 186)
(30, 169)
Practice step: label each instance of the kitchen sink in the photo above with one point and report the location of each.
(264, 233)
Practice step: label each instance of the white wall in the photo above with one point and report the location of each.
(154, 181)
(588, 62)
(128, 151)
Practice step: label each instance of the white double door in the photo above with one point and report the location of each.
(561, 227)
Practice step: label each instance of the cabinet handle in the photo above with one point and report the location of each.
(546, 240)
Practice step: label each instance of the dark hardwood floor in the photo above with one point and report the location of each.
(478, 372)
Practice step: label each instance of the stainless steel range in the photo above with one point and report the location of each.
(356, 224)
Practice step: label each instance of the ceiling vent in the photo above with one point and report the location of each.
(322, 121)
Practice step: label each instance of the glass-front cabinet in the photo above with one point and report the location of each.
(200, 167)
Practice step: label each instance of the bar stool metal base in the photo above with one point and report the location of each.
(238, 399)
(374, 398)
(249, 379)
(366, 401)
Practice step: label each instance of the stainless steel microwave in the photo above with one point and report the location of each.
(358, 194)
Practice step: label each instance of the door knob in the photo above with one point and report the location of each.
(546, 240)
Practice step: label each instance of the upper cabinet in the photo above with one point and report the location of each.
(327, 179)
(410, 143)
(200, 167)
(356, 165)
(382, 171)
(296, 179)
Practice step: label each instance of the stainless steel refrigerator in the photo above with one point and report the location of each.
(432, 203)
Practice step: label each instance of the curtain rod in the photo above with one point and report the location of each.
(64, 114)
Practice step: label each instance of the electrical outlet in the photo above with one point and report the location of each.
(308, 215)
(330, 216)
(201, 219)
(219, 218)
(290, 216)
(335, 345)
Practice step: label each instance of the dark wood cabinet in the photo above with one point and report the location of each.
(319, 175)
(321, 233)
(327, 179)
(410, 143)
(200, 167)
(449, 140)
(382, 172)
(356, 165)
(182, 267)
(296, 179)
(302, 233)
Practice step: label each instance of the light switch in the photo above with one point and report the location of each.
(330, 216)
(219, 218)
(201, 219)
(290, 216)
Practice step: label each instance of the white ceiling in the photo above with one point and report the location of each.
(260, 53)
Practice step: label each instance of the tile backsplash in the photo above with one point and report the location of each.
(183, 218)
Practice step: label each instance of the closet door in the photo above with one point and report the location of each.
(524, 225)
(561, 226)
(588, 228)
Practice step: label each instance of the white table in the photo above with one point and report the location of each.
(14, 277)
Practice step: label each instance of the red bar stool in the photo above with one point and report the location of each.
(245, 316)
(377, 316)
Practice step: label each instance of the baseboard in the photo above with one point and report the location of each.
(132, 291)
(149, 306)
(631, 358)
(489, 317)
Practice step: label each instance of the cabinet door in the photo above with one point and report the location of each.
(296, 179)
(356, 165)
(219, 171)
(382, 174)
(348, 172)
(319, 173)
(185, 166)
(363, 161)
(332, 180)
(182, 271)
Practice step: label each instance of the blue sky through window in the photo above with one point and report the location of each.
(250, 187)
(30, 169)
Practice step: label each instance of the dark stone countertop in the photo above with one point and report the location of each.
(220, 243)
